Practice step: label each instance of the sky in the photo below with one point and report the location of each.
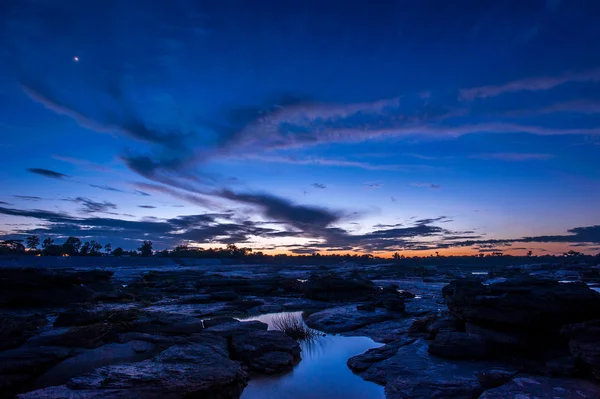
(417, 127)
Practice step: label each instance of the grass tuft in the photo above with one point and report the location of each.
(294, 327)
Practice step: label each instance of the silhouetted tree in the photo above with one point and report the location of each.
(47, 242)
(72, 246)
(118, 251)
(12, 247)
(53, 250)
(146, 248)
(529, 253)
(33, 242)
(107, 248)
(95, 248)
(85, 249)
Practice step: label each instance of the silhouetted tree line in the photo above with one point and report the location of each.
(73, 246)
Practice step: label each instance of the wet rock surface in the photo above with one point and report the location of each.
(194, 370)
(175, 333)
(544, 387)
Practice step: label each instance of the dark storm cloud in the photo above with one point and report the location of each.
(586, 234)
(589, 234)
(47, 173)
(303, 217)
(196, 199)
(28, 197)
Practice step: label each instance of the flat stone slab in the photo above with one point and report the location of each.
(347, 318)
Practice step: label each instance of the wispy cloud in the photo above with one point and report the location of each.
(28, 197)
(319, 161)
(513, 156)
(130, 125)
(319, 186)
(529, 84)
(90, 206)
(427, 185)
(47, 173)
(146, 206)
(372, 185)
(107, 188)
(583, 106)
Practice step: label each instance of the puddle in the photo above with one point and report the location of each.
(322, 372)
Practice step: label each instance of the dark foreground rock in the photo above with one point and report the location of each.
(30, 287)
(19, 367)
(14, 331)
(458, 345)
(200, 370)
(265, 351)
(523, 304)
(584, 343)
(91, 359)
(413, 373)
(544, 387)
(232, 328)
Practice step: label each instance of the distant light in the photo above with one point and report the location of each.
(76, 59)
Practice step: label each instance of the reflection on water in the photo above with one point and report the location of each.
(322, 372)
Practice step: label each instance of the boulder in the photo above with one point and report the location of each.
(507, 337)
(362, 362)
(215, 321)
(199, 370)
(333, 288)
(89, 336)
(458, 345)
(14, 330)
(346, 318)
(166, 323)
(32, 287)
(565, 366)
(413, 373)
(522, 303)
(272, 362)
(233, 328)
(544, 387)
(429, 326)
(385, 331)
(584, 343)
(254, 344)
(82, 316)
(20, 366)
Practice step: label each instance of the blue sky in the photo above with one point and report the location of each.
(295, 126)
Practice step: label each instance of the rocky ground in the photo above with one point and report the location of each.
(174, 333)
